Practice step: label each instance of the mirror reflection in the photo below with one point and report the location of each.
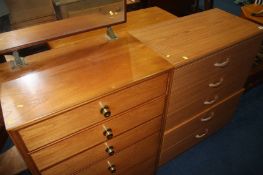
(16, 14)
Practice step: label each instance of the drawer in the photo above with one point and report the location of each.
(147, 167)
(88, 138)
(191, 140)
(84, 116)
(182, 146)
(123, 160)
(190, 101)
(222, 111)
(236, 57)
(205, 81)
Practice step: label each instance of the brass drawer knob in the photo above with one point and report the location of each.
(110, 150)
(112, 168)
(105, 111)
(108, 133)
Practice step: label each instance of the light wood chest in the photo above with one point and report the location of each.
(99, 114)
(212, 53)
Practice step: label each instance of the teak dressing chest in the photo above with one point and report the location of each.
(100, 107)
(93, 109)
(212, 53)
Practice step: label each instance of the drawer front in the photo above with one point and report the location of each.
(182, 146)
(192, 102)
(123, 160)
(222, 111)
(147, 167)
(79, 118)
(208, 83)
(189, 99)
(191, 140)
(94, 136)
(237, 57)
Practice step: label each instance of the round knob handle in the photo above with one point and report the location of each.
(108, 133)
(105, 111)
(110, 150)
(112, 169)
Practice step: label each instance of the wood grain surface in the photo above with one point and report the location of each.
(187, 97)
(147, 148)
(136, 19)
(76, 75)
(98, 153)
(80, 118)
(183, 40)
(173, 149)
(90, 137)
(217, 113)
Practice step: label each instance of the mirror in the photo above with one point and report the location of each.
(25, 13)
(39, 21)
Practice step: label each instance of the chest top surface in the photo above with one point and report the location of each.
(183, 40)
(76, 74)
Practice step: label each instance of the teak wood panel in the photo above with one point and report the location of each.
(147, 148)
(91, 137)
(190, 141)
(98, 153)
(182, 146)
(147, 167)
(186, 39)
(215, 114)
(136, 19)
(69, 122)
(192, 101)
(188, 97)
(232, 58)
(197, 136)
(77, 74)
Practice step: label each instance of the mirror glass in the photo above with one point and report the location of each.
(23, 13)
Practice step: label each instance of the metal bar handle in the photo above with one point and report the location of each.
(212, 101)
(222, 64)
(205, 119)
(217, 84)
(199, 136)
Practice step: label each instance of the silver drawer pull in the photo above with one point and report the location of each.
(205, 119)
(199, 136)
(223, 64)
(212, 101)
(217, 84)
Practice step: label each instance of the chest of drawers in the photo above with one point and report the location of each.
(90, 115)
(212, 53)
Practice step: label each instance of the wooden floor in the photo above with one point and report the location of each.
(11, 162)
